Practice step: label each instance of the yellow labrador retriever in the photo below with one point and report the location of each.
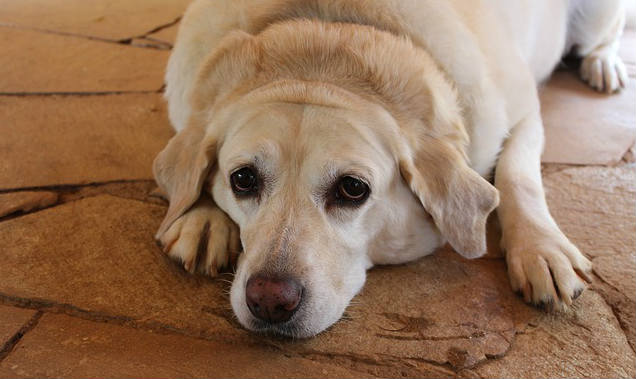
(321, 137)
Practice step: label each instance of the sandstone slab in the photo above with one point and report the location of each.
(61, 346)
(42, 62)
(25, 201)
(76, 140)
(108, 19)
(583, 126)
(586, 127)
(133, 282)
(595, 208)
(589, 344)
(441, 309)
(12, 319)
(96, 257)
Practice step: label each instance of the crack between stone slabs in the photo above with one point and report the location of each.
(43, 305)
(68, 190)
(146, 36)
(83, 94)
(492, 358)
(385, 361)
(13, 341)
(604, 281)
(121, 320)
(479, 334)
(70, 187)
(70, 310)
(552, 168)
(125, 41)
(162, 27)
(18, 214)
(614, 310)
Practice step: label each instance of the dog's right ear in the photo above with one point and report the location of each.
(182, 166)
(180, 170)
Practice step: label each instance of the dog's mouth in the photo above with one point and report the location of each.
(292, 328)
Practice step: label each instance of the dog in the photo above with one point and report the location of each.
(318, 138)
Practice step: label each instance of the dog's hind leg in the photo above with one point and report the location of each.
(542, 263)
(594, 30)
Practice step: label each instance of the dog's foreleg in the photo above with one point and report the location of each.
(542, 263)
(203, 239)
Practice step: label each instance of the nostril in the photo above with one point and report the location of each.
(273, 299)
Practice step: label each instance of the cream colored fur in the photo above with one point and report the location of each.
(423, 99)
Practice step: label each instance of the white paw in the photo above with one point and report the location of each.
(605, 72)
(547, 269)
(204, 239)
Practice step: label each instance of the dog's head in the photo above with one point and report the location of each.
(323, 181)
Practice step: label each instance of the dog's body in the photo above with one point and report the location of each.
(401, 97)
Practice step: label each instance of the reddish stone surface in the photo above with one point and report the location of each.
(12, 319)
(595, 208)
(583, 126)
(25, 201)
(109, 19)
(33, 62)
(73, 348)
(87, 139)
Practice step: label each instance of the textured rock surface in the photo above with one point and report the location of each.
(595, 207)
(25, 201)
(13, 319)
(86, 139)
(97, 256)
(68, 347)
(586, 127)
(115, 20)
(43, 62)
(449, 313)
(443, 310)
(589, 343)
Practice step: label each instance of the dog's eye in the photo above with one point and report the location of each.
(244, 181)
(352, 190)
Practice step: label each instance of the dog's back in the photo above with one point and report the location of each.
(458, 34)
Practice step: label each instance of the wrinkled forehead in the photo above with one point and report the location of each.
(311, 137)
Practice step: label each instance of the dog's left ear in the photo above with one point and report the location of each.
(458, 199)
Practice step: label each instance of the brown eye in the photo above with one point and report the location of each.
(244, 181)
(352, 190)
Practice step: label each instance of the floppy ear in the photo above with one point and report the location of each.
(182, 166)
(458, 199)
(180, 170)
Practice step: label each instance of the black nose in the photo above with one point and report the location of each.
(273, 299)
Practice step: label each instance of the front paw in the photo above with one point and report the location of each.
(604, 71)
(205, 240)
(547, 269)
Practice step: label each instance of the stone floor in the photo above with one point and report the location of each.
(85, 292)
